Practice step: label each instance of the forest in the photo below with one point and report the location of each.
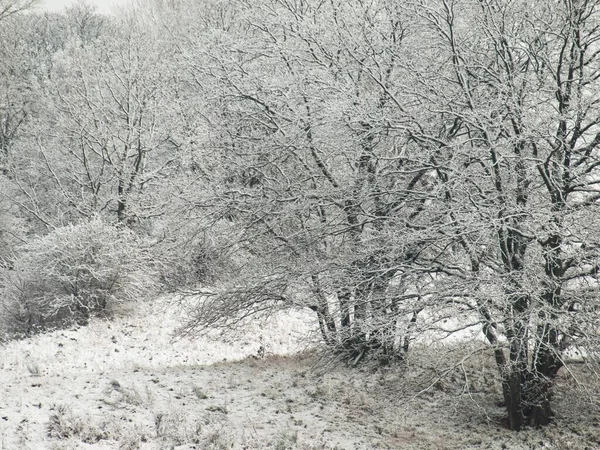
(408, 172)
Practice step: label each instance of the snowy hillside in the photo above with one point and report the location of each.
(125, 384)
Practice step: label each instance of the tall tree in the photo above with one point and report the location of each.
(107, 135)
(303, 111)
(514, 95)
(440, 156)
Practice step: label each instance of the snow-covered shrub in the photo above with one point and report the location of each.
(72, 273)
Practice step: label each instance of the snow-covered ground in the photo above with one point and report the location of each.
(146, 339)
(72, 371)
(126, 384)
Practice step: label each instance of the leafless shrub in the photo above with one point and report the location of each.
(73, 273)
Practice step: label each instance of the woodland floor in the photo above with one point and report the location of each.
(126, 385)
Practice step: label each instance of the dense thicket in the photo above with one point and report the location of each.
(406, 170)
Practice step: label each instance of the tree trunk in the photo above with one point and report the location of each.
(528, 393)
(121, 203)
(326, 322)
(512, 389)
(540, 415)
(539, 388)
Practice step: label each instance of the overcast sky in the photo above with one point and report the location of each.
(104, 6)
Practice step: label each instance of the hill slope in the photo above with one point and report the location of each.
(126, 384)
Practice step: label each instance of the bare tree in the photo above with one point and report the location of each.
(513, 96)
(313, 167)
(105, 137)
(439, 157)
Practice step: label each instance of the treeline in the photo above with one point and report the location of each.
(399, 168)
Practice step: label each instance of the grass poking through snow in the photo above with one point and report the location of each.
(126, 385)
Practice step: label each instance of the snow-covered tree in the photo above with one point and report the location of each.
(382, 160)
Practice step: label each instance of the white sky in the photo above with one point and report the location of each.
(103, 6)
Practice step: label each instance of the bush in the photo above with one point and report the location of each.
(73, 273)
